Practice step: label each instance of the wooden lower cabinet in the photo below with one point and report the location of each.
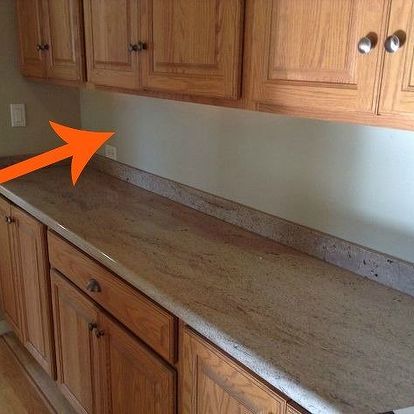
(32, 268)
(138, 381)
(211, 383)
(76, 347)
(101, 367)
(24, 280)
(9, 284)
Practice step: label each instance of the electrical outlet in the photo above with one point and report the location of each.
(18, 115)
(110, 152)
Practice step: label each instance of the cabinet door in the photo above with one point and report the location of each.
(32, 267)
(193, 47)
(111, 27)
(9, 283)
(29, 16)
(63, 27)
(212, 383)
(397, 95)
(137, 380)
(76, 348)
(303, 55)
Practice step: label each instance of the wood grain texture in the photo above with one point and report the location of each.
(138, 381)
(212, 383)
(9, 281)
(110, 27)
(303, 54)
(18, 395)
(193, 48)
(150, 322)
(31, 34)
(63, 26)
(33, 270)
(76, 347)
(397, 92)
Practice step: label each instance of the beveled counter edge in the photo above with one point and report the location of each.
(308, 399)
(380, 267)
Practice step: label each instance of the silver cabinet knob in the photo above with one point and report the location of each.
(392, 44)
(93, 286)
(365, 45)
(9, 220)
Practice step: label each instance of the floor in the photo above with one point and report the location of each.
(24, 387)
(18, 395)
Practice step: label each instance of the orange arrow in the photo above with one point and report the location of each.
(80, 145)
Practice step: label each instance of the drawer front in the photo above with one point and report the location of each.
(154, 325)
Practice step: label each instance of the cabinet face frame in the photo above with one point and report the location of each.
(172, 64)
(295, 91)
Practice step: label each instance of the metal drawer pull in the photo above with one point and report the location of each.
(93, 286)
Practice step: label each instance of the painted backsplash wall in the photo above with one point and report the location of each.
(354, 182)
(43, 102)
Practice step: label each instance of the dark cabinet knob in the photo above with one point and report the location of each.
(42, 47)
(93, 286)
(137, 47)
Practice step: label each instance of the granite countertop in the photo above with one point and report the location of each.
(330, 340)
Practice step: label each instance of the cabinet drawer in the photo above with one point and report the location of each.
(154, 325)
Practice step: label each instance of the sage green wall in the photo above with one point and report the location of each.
(355, 182)
(43, 102)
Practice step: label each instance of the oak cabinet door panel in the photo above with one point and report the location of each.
(397, 94)
(76, 348)
(193, 47)
(9, 282)
(303, 54)
(33, 269)
(29, 16)
(111, 27)
(138, 381)
(63, 26)
(212, 383)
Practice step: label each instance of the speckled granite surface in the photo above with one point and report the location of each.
(374, 265)
(332, 341)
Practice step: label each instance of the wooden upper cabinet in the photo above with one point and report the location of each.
(9, 282)
(212, 383)
(303, 54)
(32, 269)
(51, 39)
(31, 37)
(111, 34)
(193, 47)
(397, 94)
(138, 381)
(64, 35)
